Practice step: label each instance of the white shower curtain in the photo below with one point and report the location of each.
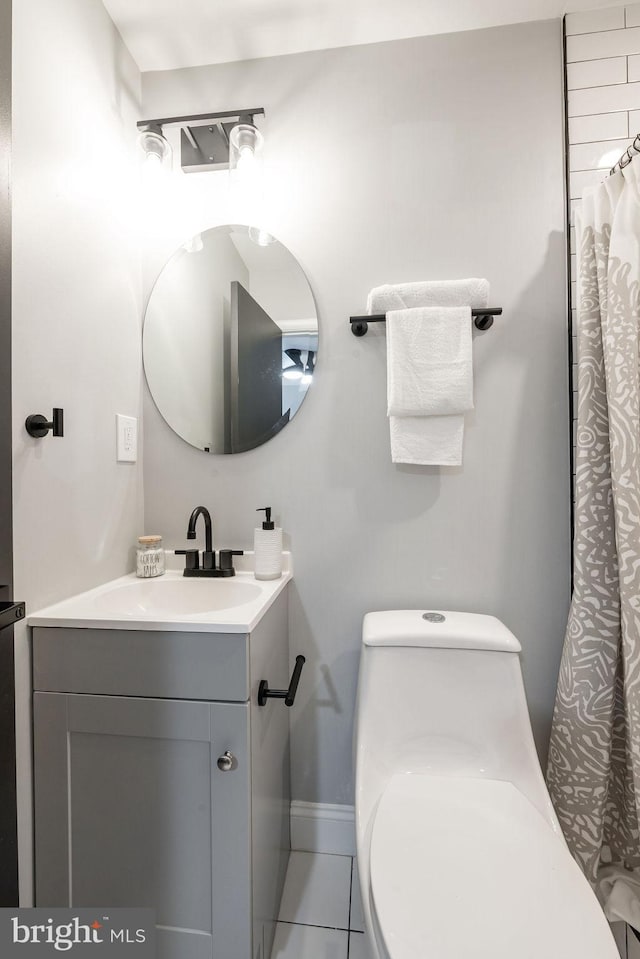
(594, 759)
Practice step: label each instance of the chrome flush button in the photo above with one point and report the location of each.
(434, 617)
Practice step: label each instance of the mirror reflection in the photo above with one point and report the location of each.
(230, 339)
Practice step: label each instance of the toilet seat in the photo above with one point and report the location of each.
(468, 867)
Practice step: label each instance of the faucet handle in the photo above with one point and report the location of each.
(226, 560)
(208, 559)
(192, 557)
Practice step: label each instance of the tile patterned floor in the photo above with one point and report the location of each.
(321, 911)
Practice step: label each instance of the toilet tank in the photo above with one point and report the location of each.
(441, 693)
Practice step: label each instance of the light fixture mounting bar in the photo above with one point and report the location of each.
(202, 119)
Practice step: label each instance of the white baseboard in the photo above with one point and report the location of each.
(322, 827)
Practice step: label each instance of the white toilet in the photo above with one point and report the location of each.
(459, 851)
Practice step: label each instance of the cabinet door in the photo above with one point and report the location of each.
(132, 810)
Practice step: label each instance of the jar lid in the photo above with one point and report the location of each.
(149, 540)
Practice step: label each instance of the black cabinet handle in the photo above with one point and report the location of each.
(289, 694)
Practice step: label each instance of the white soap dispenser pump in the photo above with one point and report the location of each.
(267, 547)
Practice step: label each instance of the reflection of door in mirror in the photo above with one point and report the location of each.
(255, 400)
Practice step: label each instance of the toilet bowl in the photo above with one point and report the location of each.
(459, 850)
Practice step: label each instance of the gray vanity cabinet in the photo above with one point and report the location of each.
(131, 807)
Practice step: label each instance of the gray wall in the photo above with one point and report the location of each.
(437, 157)
(6, 563)
(76, 319)
(8, 810)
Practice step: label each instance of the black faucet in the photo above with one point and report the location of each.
(208, 556)
(209, 567)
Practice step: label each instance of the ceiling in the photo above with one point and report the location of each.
(168, 34)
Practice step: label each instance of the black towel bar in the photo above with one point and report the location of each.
(483, 319)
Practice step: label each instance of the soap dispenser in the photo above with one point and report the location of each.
(267, 546)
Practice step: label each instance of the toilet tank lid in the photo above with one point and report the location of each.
(441, 629)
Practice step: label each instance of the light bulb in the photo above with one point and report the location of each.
(246, 159)
(155, 147)
(194, 245)
(245, 145)
(292, 373)
(260, 236)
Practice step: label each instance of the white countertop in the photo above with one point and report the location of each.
(168, 602)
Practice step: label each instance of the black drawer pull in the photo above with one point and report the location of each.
(289, 694)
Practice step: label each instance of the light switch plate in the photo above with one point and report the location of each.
(126, 438)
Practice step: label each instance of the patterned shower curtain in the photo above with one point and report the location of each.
(594, 759)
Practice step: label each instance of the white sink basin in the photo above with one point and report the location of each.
(169, 602)
(174, 597)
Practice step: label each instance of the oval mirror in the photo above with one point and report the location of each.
(230, 339)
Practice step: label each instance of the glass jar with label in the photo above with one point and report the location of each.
(150, 557)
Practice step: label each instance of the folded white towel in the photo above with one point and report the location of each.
(473, 292)
(426, 440)
(433, 370)
(429, 361)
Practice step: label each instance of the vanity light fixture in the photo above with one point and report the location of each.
(208, 141)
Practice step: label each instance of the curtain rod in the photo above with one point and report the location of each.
(627, 156)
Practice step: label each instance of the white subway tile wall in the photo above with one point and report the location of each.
(618, 42)
(596, 154)
(602, 126)
(595, 21)
(615, 98)
(603, 91)
(597, 73)
(603, 109)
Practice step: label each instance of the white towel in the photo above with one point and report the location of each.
(427, 440)
(473, 292)
(434, 439)
(429, 362)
